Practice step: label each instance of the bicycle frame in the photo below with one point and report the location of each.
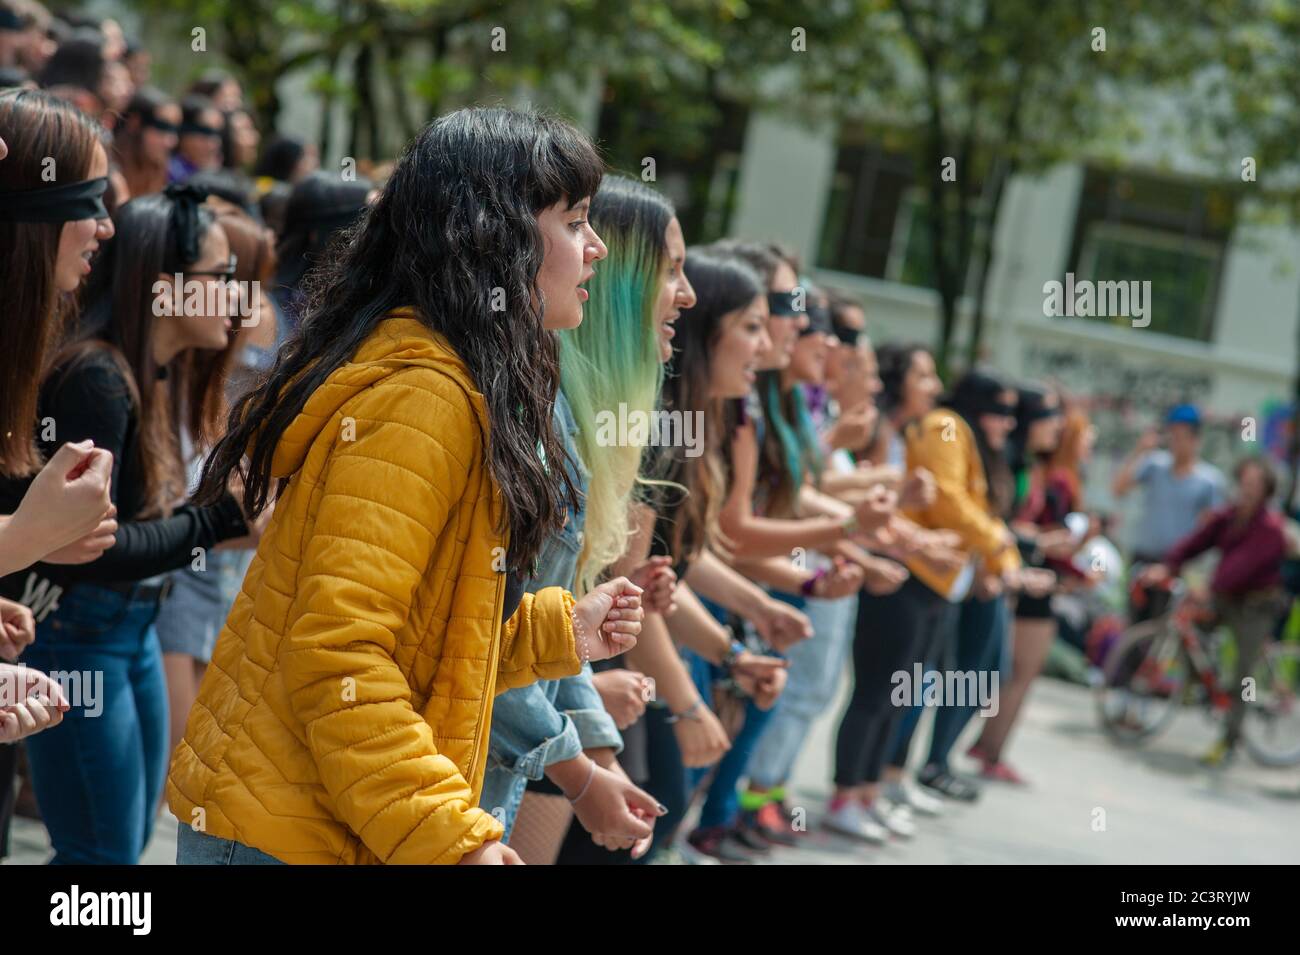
(1185, 617)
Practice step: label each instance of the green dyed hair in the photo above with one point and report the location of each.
(791, 450)
(612, 359)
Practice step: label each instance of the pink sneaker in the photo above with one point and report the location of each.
(1001, 772)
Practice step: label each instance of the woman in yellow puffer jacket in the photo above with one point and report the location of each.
(407, 429)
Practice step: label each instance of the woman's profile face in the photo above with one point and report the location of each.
(921, 385)
(157, 143)
(244, 138)
(733, 358)
(675, 292)
(79, 239)
(207, 326)
(1087, 439)
(307, 163)
(1045, 433)
(571, 249)
(204, 149)
(998, 427)
(782, 330)
(808, 359)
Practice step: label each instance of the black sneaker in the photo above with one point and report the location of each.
(718, 843)
(750, 839)
(947, 784)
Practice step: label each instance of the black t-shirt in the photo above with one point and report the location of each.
(89, 398)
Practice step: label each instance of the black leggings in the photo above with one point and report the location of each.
(891, 634)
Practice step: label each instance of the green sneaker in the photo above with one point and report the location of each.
(1218, 755)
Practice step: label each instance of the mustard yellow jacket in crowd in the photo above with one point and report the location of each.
(944, 445)
(344, 717)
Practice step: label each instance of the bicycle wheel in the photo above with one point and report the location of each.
(1143, 681)
(1271, 728)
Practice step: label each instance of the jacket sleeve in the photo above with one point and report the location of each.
(529, 733)
(93, 402)
(1195, 543)
(537, 642)
(954, 507)
(1258, 556)
(578, 698)
(384, 500)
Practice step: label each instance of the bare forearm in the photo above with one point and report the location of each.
(656, 657)
(839, 483)
(713, 579)
(692, 626)
(778, 572)
(813, 501)
(771, 537)
(17, 551)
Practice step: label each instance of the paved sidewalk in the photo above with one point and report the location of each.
(1160, 806)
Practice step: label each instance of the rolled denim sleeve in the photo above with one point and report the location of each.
(578, 699)
(530, 733)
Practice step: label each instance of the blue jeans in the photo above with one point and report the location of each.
(99, 774)
(982, 629)
(199, 848)
(722, 804)
(816, 667)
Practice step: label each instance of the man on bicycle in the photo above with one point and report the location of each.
(1178, 492)
(1247, 583)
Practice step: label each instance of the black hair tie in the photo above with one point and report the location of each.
(186, 200)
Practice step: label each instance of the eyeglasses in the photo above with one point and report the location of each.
(227, 273)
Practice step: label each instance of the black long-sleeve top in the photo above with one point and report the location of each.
(91, 400)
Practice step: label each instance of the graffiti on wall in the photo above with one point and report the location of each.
(1124, 398)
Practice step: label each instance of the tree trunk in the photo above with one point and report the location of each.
(1293, 450)
(1002, 170)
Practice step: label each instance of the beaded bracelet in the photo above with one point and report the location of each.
(686, 714)
(580, 631)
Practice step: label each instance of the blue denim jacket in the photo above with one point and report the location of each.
(552, 720)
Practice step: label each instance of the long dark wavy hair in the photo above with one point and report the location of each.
(973, 394)
(722, 285)
(893, 362)
(456, 220)
(143, 175)
(319, 206)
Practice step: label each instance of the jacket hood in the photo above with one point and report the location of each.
(399, 341)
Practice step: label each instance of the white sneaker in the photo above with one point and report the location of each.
(852, 819)
(908, 794)
(895, 818)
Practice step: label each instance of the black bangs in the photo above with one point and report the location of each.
(565, 165)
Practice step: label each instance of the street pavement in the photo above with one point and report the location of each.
(1087, 802)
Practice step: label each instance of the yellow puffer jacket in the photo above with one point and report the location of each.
(344, 717)
(944, 444)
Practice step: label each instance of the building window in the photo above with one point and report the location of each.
(877, 222)
(1132, 227)
(868, 189)
(697, 157)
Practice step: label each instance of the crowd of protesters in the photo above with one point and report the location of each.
(315, 473)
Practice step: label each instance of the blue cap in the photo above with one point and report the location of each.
(1184, 414)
